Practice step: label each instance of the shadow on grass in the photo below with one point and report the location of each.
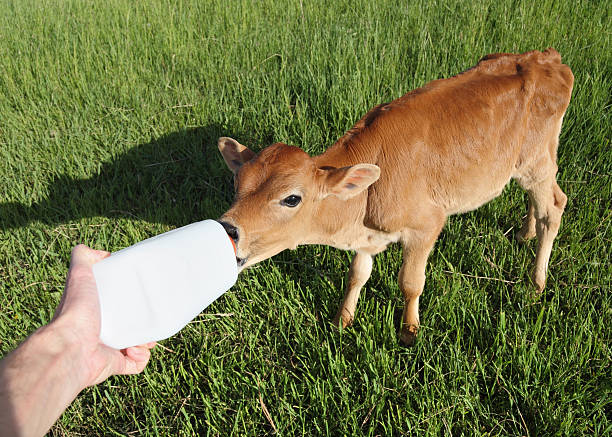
(175, 179)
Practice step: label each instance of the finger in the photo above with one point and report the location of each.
(80, 289)
(83, 255)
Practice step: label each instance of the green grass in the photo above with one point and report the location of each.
(109, 115)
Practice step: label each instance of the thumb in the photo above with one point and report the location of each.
(114, 362)
(136, 359)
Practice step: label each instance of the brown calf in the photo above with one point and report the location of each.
(443, 149)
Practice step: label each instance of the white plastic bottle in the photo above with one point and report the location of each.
(151, 290)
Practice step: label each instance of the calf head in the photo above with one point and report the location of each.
(282, 197)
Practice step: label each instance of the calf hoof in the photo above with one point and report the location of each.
(523, 235)
(408, 335)
(538, 279)
(344, 319)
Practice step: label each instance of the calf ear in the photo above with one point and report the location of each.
(234, 153)
(347, 182)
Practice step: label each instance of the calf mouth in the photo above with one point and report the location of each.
(241, 261)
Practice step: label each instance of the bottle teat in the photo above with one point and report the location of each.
(233, 245)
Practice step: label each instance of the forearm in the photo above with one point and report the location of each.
(37, 382)
(43, 376)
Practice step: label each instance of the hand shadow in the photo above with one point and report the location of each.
(176, 179)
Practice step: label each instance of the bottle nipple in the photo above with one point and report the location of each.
(233, 245)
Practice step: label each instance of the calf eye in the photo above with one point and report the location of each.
(291, 201)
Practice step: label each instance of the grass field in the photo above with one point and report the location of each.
(109, 115)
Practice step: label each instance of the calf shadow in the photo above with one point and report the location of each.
(175, 179)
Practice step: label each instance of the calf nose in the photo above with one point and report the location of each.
(231, 230)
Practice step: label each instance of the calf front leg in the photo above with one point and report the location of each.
(361, 268)
(416, 247)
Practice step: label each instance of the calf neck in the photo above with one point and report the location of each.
(443, 149)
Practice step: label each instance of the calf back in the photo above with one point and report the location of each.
(455, 143)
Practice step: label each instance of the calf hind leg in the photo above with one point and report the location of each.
(528, 231)
(359, 273)
(549, 203)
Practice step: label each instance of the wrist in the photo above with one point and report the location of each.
(63, 343)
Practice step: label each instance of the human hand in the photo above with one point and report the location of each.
(77, 322)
